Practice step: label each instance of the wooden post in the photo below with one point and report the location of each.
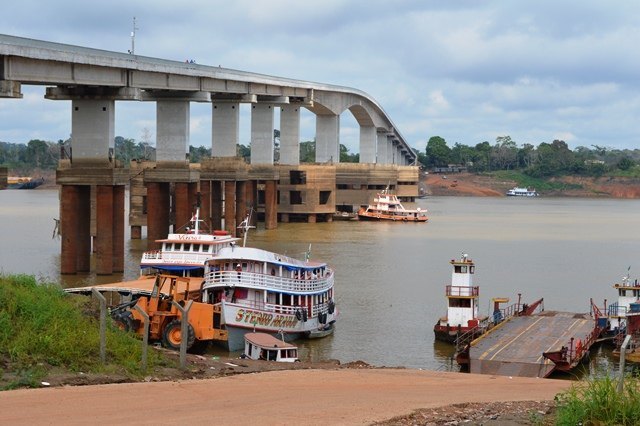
(184, 331)
(145, 336)
(103, 324)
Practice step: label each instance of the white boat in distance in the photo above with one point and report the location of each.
(185, 253)
(258, 290)
(521, 192)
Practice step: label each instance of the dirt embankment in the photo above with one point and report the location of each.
(468, 184)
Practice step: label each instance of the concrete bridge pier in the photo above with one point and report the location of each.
(368, 142)
(327, 138)
(290, 134)
(381, 148)
(92, 164)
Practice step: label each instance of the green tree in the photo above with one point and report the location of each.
(625, 163)
(345, 157)
(438, 153)
(308, 151)
(36, 153)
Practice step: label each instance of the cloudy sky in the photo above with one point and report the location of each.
(466, 70)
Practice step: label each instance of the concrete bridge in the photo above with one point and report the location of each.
(92, 183)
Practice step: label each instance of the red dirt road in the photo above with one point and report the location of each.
(280, 397)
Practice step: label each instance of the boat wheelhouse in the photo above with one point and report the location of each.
(628, 293)
(185, 253)
(269, 348)
(387, 207)
(462, 303)
(521, 192)
(259, 290)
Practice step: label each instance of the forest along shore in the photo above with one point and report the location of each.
(477, 185)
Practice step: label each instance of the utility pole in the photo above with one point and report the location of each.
(133, 37)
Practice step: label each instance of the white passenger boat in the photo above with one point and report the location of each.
(387, 207)
(269, 348)
(628, 293)
(521, 192)
(185, 253)
(259, 290)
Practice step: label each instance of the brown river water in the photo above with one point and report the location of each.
(391, 277)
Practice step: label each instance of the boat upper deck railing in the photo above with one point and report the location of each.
(176, 257)
(268, 282)
(463, 291)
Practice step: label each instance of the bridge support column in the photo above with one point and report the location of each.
(118, 228)
(172, 129)
(158, 205)
(74, 228)
(216, 204)
(241, 201)
(92, 126)
(270, 205)
(225, 132)
(230, 207)
(368, 144)
(184, 194)
(205, 202)
(391, 158)
(262, 133)
(327, 138)
(104, 227)
(290, 135)
(252, 200)
(382, 141)
(84, 228)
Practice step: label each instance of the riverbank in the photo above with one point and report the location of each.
(318, 396)
(475, 185)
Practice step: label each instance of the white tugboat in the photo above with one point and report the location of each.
(387, 207)
(462, 303)
(628, 293)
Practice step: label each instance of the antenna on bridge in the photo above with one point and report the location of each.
(133, 37)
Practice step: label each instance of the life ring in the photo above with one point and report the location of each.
(378, 215)
(404, 219)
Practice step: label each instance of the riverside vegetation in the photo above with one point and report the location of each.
(44, 331)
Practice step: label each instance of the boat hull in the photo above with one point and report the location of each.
(390, 218)
(239, 320)
(449, 334)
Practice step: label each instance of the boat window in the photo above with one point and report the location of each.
(177, 247)
(472, 269)
(459, 269)
(459, 303)
(187, 247)
(166, 247)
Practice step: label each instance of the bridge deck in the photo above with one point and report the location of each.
(515, 347)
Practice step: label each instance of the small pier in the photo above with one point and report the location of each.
(534, 345)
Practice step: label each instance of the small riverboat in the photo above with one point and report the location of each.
(269, 348)
(185, 253)
(462, 304)
(259, 290)
(24, 182)
(521, 192)
(387, 207)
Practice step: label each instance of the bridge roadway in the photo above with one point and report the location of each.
(515, 347)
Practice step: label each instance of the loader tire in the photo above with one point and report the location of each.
(171, 337)
(123, 321)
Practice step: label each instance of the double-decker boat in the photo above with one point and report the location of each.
(387, 207)
(258, 290)
(185, 253)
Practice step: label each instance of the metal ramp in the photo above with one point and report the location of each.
(516, 347)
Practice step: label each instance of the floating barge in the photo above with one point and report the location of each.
(533, 344)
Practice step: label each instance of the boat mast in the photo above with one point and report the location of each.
(245, 225)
